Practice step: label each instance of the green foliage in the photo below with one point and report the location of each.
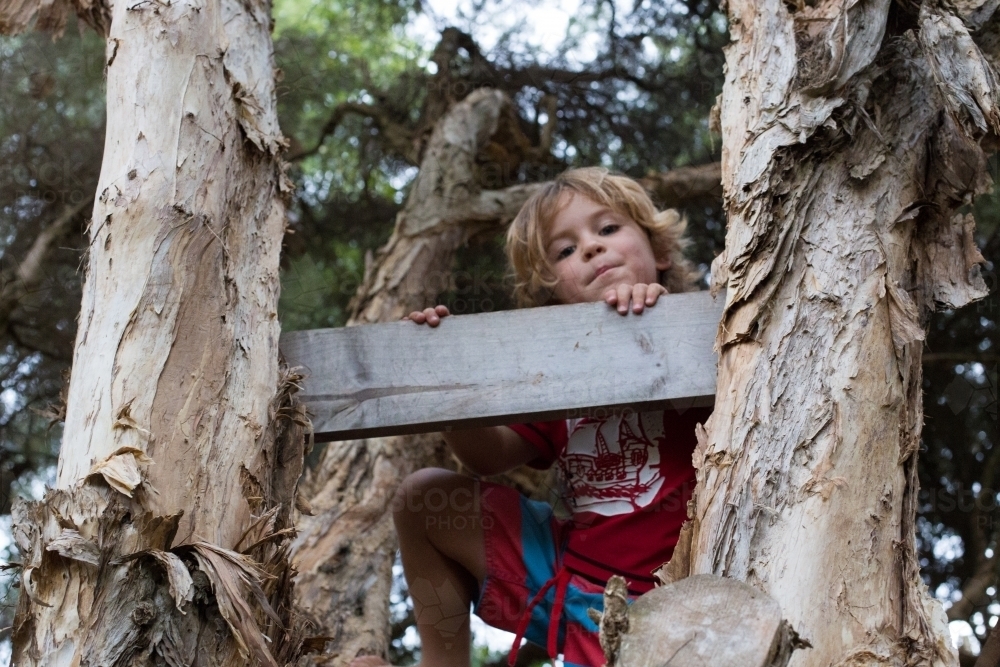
(653, 116)
(330, 53)
(334, 52)
(316, 287)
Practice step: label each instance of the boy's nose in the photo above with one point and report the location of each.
(593, 247)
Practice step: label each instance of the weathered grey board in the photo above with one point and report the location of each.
(506, 367)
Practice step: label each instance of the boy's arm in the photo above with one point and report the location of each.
(490, 450)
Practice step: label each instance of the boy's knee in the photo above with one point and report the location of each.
(417, 494)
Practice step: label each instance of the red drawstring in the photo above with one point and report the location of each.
(557, 609)
(560, 580)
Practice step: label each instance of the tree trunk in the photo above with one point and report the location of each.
(344, 553)
(851, 134)
(179, 456)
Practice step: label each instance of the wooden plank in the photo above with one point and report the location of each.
(506, 367)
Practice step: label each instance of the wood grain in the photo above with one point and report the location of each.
(706, 620)
(497, 368)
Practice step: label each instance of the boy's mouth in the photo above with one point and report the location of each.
(602, 270)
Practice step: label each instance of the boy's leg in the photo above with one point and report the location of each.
(438, 521)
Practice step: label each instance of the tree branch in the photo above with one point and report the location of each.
(399, 138)
(17, 15)
(984, 574)
(974, 590)
(33, 344)
(672, 189)
(982, 357)
(990, 655)
(17, 283)
(679, 187)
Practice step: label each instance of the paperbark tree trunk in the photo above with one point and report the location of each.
(163, 541)
(344, 553)
(851, 134)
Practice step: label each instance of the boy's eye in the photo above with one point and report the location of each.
(564, 253)
(609, 229)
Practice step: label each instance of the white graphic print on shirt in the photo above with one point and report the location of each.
(612, 466)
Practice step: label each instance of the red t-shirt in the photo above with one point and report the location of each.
(627, 480)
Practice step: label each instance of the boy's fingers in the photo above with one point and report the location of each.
(432, 317)
(624, 294)
(435, 314)
(429, 316)
(653, 293)
(611, 297)
(639, 291)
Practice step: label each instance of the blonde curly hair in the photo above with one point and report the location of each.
(532, 275)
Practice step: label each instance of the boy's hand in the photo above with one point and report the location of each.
(429, 316)
(640, 294)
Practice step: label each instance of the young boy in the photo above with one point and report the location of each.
(587, 236)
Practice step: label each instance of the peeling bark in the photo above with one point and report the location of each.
(166, 539)
(183, 263)
(440, 215)
(846, 152)
(345, 552)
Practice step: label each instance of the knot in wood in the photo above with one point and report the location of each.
(144, 613)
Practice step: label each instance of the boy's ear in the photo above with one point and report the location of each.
(664, 264)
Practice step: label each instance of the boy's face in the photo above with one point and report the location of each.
(592, 249)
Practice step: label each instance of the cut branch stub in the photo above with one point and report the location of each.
(707, 620)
